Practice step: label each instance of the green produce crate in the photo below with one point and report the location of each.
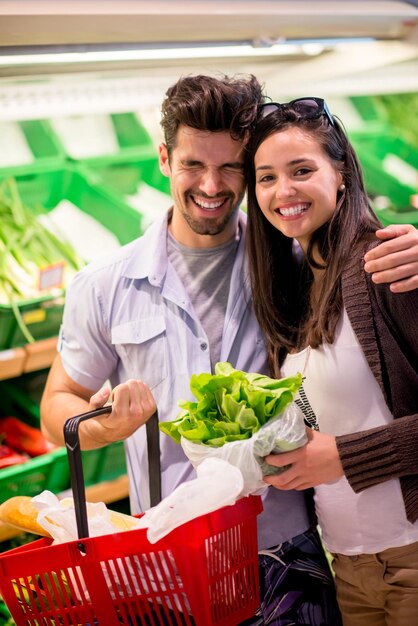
(20, 397)
(389, 166)
(49, 471)
(388, 216)
(42, 317)
(128, 135)
(45, 190)
(46, 149)
(394, 111)
(132, 164)
(123, 173)
(134, 178)
(370, 109)
(104, 464)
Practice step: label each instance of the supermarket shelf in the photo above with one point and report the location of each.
(107, 492)
(29, 358)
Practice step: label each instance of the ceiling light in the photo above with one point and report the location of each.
(156, 54)
(264, 47)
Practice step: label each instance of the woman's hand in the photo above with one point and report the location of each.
(396, 260)
(132, 405)
(315, 463)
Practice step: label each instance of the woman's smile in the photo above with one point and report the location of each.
(292, 211)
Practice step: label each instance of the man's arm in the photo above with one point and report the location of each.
(396, 260)
(132, 405)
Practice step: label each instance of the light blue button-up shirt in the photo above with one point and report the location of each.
(129, 316)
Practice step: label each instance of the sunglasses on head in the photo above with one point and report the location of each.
(307, 108)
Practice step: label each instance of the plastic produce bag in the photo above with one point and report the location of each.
(280, 434)
(218, 484)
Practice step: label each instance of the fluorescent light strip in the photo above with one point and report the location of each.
(261, 48)
(158, 54)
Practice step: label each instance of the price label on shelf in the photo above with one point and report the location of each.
(51, 276)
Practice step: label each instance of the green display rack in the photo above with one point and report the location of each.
(46, 149)
(43, 191)
(388, 216)
(130, 135)
(375, 149)
(135, 161)
(20, 397)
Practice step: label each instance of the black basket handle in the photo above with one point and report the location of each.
(72, 443)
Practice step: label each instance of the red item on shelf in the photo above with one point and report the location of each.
(9, 457)
(23, 438)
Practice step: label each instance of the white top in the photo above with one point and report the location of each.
(340, 391)
(129, 316)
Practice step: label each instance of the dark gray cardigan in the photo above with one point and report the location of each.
(386, 326)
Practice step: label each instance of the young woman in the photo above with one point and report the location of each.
(356, 344)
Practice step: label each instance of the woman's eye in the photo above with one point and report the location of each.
(265, 179)
(302, 171)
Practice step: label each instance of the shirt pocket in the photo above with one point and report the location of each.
(141, 345)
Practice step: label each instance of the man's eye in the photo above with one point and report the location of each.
(191, 165)
(237, 169)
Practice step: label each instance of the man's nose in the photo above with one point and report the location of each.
(211, 181)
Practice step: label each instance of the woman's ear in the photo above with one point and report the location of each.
(164, 160)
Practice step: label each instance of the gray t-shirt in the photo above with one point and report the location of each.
(206, 275)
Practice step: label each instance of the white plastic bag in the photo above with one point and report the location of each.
(58, 518)
(218, 484)
(280, 434)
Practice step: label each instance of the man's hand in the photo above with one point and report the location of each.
(315, 463)
(396, 260)
(132, 405)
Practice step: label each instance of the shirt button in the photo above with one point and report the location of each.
(203, 346)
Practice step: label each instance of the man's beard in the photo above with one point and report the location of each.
(210, 226)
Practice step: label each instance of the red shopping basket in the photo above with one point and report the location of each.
(204, 573)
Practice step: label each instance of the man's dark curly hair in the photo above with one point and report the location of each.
(212, 104)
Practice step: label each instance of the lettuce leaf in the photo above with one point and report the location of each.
(231, 405)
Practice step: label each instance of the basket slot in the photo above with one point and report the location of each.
(147, 584)
(232, 575)
(59, 596)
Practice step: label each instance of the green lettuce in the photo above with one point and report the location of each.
(231, 405)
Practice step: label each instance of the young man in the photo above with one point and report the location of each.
(172, 304)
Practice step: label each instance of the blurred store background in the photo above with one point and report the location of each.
(81, 83)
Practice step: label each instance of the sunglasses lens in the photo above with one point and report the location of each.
(307, 107)
(269, 108)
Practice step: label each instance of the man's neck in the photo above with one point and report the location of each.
(184, 234)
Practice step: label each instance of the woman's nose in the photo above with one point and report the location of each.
(284, 188)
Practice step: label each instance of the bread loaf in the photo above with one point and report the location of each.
(21, 513)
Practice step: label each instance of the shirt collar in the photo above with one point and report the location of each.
(149, 259)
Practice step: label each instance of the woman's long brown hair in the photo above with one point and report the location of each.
(281, 278)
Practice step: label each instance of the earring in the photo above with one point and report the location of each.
(341, 187)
